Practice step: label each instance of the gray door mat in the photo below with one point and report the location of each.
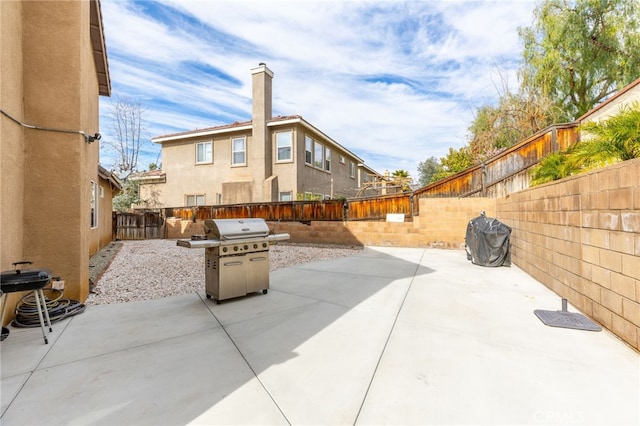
(566, 319)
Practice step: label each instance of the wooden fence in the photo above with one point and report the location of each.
(146, 224)
(498, 176)
(508, 171)
(303, 211)
(141, 225)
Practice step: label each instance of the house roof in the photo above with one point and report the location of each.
(247, 125)
(152, 176)
(618, 94)
(107, 175)
(99, 49)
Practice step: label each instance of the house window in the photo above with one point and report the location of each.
(308, 154)
(286, 196)
(352, 169)
(101, 192)
(317, 155)
(218, 198)
(194, 200)
(342, 159)
(204, 152)
(327, 159)
(239, 149)
(94, 205)
(283, 145)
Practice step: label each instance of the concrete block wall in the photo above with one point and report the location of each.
(581, 237)
(442, 224)
(176, 228)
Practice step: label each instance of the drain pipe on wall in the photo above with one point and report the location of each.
(87, 137)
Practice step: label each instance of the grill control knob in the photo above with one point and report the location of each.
(246, 247)
(225, 249)
(264, 245)
(235, 248)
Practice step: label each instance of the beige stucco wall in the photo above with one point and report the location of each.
(338, 182)
(48, 80)
(246, 183)
(12, 170)
(612, 107)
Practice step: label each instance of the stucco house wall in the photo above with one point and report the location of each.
(263, 177)
(53, 68)
(626, 96)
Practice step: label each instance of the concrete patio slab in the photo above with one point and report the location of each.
(389, 336)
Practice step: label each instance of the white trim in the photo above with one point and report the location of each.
(262, 68)
(196, 144)
(244, 151)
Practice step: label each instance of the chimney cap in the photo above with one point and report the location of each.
(261, 68)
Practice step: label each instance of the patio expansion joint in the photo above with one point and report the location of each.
(246, 361)
(386, 343)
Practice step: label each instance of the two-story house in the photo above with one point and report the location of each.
(262, 160)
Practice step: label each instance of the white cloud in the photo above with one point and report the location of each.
(394, 82)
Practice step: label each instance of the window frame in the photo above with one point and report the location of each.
(327, 159)
(278, 148)
(283, 194)
(234, 152)
(308, 150)
(197, 152)
(318, 148)
(93, 222)
(352, 169)
(195, 199)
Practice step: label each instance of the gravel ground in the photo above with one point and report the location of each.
(149, 269)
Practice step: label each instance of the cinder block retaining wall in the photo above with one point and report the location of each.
(581, 238)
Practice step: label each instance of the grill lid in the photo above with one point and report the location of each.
(234, 229)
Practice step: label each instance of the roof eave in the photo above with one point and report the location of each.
(196, 134)
(305, 123)
(99, 49)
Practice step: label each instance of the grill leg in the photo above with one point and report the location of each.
(5, 296)
(46, 311)
(37, 294)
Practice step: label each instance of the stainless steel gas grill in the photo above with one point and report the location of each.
(236, 256)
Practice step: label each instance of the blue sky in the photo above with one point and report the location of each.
(395, 82)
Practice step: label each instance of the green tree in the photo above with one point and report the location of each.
(454, 162)
(427, 169)
(403, 179)
(129, 195)
(516, 117)
(578, 52)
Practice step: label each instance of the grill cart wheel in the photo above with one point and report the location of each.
(265, 291)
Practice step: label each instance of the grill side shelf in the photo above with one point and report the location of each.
(198, 243)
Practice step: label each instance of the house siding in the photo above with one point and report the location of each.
(48, 79)
(263, 177)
